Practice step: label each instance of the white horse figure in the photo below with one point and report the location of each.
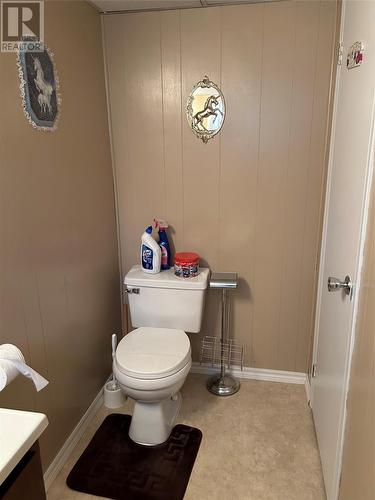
(209, 109)
(44, 104)
(44, 88)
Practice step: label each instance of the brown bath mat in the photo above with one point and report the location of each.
(114, 466)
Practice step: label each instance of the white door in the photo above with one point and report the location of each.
(343, 234)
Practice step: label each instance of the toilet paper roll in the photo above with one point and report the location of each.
(13, 363)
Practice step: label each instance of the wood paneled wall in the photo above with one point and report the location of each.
(59, 287)
(251, 199)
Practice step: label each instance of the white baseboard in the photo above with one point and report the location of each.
(282, 376)
(65, 452)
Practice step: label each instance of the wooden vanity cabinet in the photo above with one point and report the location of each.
(25, 482)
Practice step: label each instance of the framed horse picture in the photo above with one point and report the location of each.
(205, 109)
(39, 88)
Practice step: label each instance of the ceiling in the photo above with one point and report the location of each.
(137, 5)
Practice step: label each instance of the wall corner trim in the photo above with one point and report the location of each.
(63, 455)
(285, 377)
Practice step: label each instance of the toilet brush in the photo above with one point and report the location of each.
(113, 395)
(114, 385)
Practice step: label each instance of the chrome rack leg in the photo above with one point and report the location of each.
(223, 329)
(223, 384)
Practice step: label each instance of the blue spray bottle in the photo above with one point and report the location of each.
(161, 225)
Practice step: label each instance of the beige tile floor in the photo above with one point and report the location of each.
(257, 445)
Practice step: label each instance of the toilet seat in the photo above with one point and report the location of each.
(153, 353)
(150, 385)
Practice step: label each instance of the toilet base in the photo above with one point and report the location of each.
(152, 423)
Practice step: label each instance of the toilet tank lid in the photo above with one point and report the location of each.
(166, 279)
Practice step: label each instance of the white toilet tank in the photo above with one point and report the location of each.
(165, 300)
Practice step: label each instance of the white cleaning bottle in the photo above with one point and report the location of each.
(150, 253)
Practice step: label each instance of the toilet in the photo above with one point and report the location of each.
(152, 362)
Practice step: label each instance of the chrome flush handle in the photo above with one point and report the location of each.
(334, 285)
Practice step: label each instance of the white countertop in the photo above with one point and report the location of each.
(18, 432)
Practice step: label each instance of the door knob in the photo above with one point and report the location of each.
(334, 284)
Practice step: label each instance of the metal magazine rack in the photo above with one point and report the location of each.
(222, 351)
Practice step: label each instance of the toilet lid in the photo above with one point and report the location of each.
(151, 353)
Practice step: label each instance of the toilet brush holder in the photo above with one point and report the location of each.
(113, 395)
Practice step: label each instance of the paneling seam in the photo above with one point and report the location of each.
(306, 186)
(252, 316)
(162, 114)
(286, 178)
(220, 144)
(182, 137)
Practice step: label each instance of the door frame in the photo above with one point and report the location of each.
(360, 257)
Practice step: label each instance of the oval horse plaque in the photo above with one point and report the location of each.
(205, 109)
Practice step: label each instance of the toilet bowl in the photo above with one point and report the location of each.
(151, 365)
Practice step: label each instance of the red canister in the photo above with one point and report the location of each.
(186, 264)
